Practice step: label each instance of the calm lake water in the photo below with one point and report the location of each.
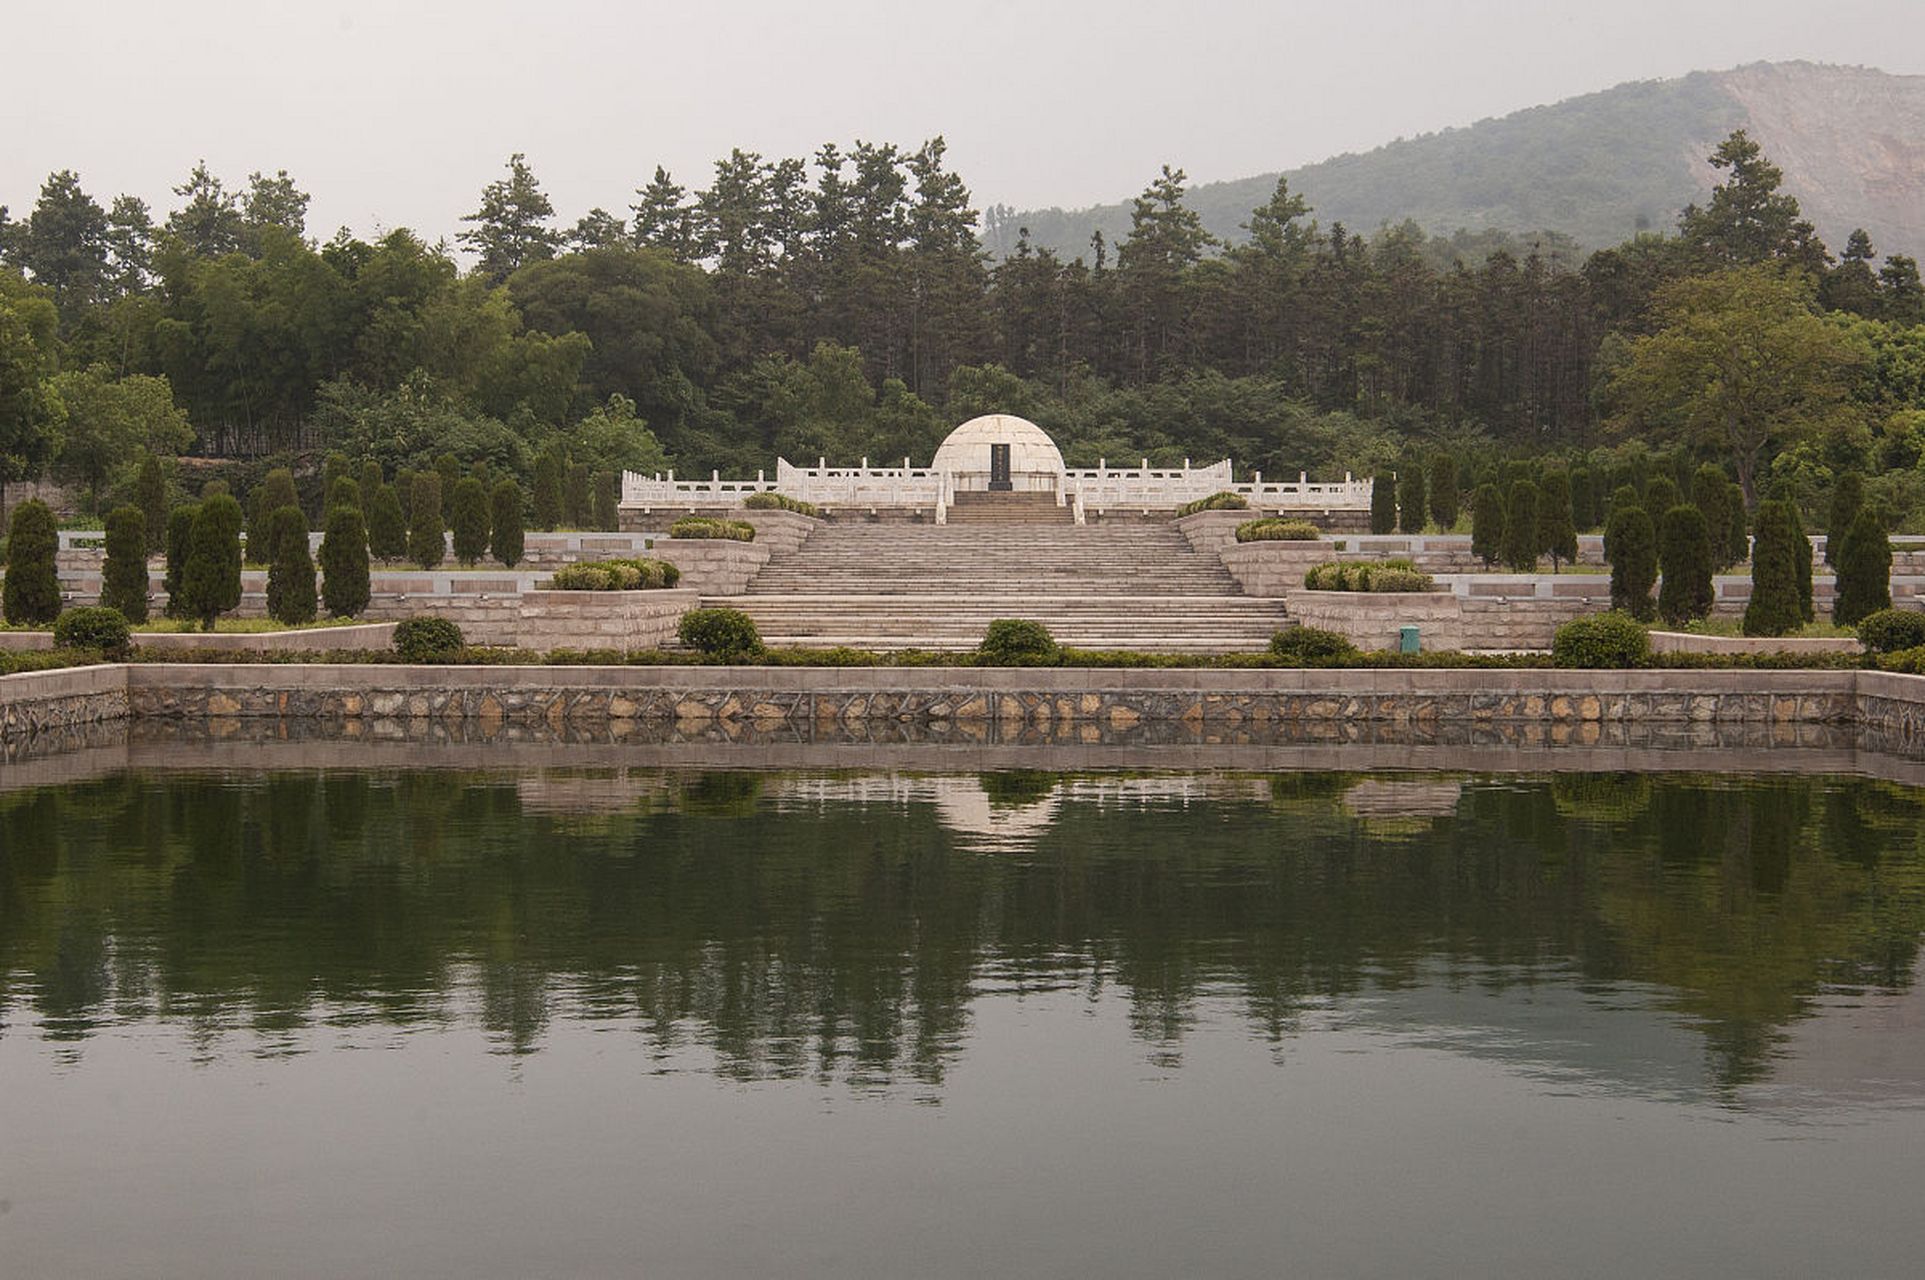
(635, 1021)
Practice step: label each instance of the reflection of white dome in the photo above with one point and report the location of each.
(1030, 448)
(964, 808)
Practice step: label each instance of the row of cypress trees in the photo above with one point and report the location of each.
(405, 520)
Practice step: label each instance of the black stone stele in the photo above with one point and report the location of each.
(999, 468)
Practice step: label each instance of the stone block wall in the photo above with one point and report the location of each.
(1372, 619)
(714, 566)
(602, 619)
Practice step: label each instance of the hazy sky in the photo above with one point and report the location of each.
(395, 114)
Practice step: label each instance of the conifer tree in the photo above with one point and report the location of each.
(369, 479)
(1684, 559)
(276, 490)
(1802, 549)
(1737, 527)
(1383, 502)
(468, 518)
(1708, 494)
(1632, 544)
(549, 469)
(577, 497)
(1556, 530)
(1520, 528)
(32, 593)
(336, 466)
(150, 495)
(1847, 496)
(1660, 495)
(1413, 508)
(1487, 524)
(123, 574)
(290, 576)
(505, 539)
(1864, 570)
(1444, 497)
(344, 561)
(448, 467)
(212, 580)
(387, 530)
(1584, 500)
(607, 486)
(344, 492)
(1774, 608)
(427, 541)
(404, 493)
(180, 542)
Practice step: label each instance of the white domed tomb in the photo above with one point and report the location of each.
(1000, 451)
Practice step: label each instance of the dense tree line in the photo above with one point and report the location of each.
(841, 306)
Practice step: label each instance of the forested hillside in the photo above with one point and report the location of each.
(1598, 168)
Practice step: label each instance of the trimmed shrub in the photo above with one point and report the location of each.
(468, 515)
(1386, 575)
(344, 492)
(123, 575)
(150, 495)
(606, 500)
(615, 575)
(370, 479)
(290, 577)
(720, 633)
(424, 639)
(1684, 559)
(1774, 608)
(1631, 543)
(427, 543)
(32, 593)
(1909, 662)
(96, 627)
(1864, 570)
(1311, 644)
(783, 502)
(710, 527)
(577, 495)
(505, 539)
(1556, 526)
(387, 526)
(335, 466)
(1710, 494)
(1018, 642)
(1737, 528)
(1413, 504)
(1609, 640)
(212, 581)
(1890, 630)
(1443, 489)
(1520, 528)
(1383, 503)
(1661, 495)
(447, 469)
(344, 561)
(1584, 499)
(1223, 500)
(550, 467)
(180, 540)
(275, 491)
(1847, 496)
(1275, 529)
(1487, 524)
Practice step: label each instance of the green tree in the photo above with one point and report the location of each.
(1520, 528)
(1737, 526)
(65, 245)
(1487, 524)
(387, 528)
(1748, 220)
(290, 573)
(370, 479)
(1383, 503)
(505, 539)
(32, 593)
(1847, 497)
(212, 580)
(335, 467)
(1443, 489)
(511, 228)
(1413, 511)
(150, 495)
(1684, 559)
(123, 574)
(577, 496)
(1864, 570)
(344, 559)
(1709, 494)
(180, 544)
(468, 517)
(30, 410)
(109, 420)
(550, 468)
(1556, 531)
(1775, 608)
(344, 492)
(1661, 494)
(276, 490)
(427, 542)
(607, 488)
(1631, 542)
(448, 467)
(1584, 499)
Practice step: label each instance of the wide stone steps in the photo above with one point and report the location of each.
(1148, 623)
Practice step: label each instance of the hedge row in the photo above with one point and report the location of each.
(1387, 575)
(712, 527)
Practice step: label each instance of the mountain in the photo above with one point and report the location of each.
(1598, 168)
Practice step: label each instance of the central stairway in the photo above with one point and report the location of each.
(889, 585)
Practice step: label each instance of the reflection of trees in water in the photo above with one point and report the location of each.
(847, 941)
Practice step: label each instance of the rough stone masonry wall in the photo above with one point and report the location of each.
(48, 702)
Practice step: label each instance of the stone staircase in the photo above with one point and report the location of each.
(1009, 508)
(1125, 585)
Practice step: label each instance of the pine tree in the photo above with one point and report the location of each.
(387, 529)
(1662, 494)
(180, 542)
(1487, 524)
(1444, 496)
(1737, 528)
(150, 495)
(1847, 496)
(1775, 608)
(607, 487)
(344, 561)
(1383, 502)
(1708, 494)
(276, 490)
(549, 469)
(404, 493)
(335, 466)
(370, 480)
(1632, 543)
(577, 496)
(1413, 506)
(505, 539)
(1556, 530)
(1520, 528)
(212, 580)
(468, 517)
(427, 543)
(1801, 550)
(32, 593)
(123, 575)
(1584, 500)
(1684, 559)
(1864, 570)
(344, 492)
(290, 577)
(448, 467)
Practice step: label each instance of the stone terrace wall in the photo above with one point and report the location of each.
(713, 566)
(602, 619)
(46, 702)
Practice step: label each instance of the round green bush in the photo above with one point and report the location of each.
(720, 633)
(1223, 500)
(427, 639)
(1275, 529)
(769, 501)
(1891, 630)
(1609, 640)
(97, 628)
(710, 527)
(1307, 644)
(1018, 642)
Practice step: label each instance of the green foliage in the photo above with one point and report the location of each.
(606, 487)
(1585, 513)
(1383, 575)
(640, 574)
(180, 543)
(387, 526)
(276, 490)
(1556, 528)
(123, 574)
(708, 527)
(577, 495)
(1018, 642)
(97, 628)
(1684, 560)
(211, 583)
(727, 634)
(770, 501)
(427, 535)
(1521, 533)
(150, 495)
(505, 540)
(345, 491)
(428, 639)
(1607, 640)
(1223, 500)
(1775, 607)
(1847, 497)
(1890, 630)
(1413, 506)
(1443, 489)
(290, 575)
(1662, 494)
(107, 419)
(345, 589)
(469, 518)
(1311, 644)
(370, 478)
(1909, 662)
(1383, 503)
(1276, 529)
(32, 592)
(1631, 542)
(1864, 571)
(1487, 524)
(550, 471)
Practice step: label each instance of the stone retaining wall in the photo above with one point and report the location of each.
(51, 702)
(713, 566)
(1444, 620)
(625, 620)
(1685, 642)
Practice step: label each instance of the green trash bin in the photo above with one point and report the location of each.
(1407, 639)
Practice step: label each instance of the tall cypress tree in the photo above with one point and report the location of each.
(505, 538)
(1487, 524)
(468, 517)
(1632, 543)
(1413, 506)
(32, 593)
(1684, 558)
(1520, 528)
(1737, 528)
(344, 561)
(549, 467)
(608, 500)
(1708, 494)
(150, 495)
(1864, 570)
(1774, 608)
(427, 541)
(1383, 502)
(387, 528)
(1444, 503)
(123, 575)
(1556, 529)
(276, 490)
(212, 581)
(180, 542)
(1584, 505)
(577, 497)
(1660, 495)
(1847, 496)
(290, 577)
